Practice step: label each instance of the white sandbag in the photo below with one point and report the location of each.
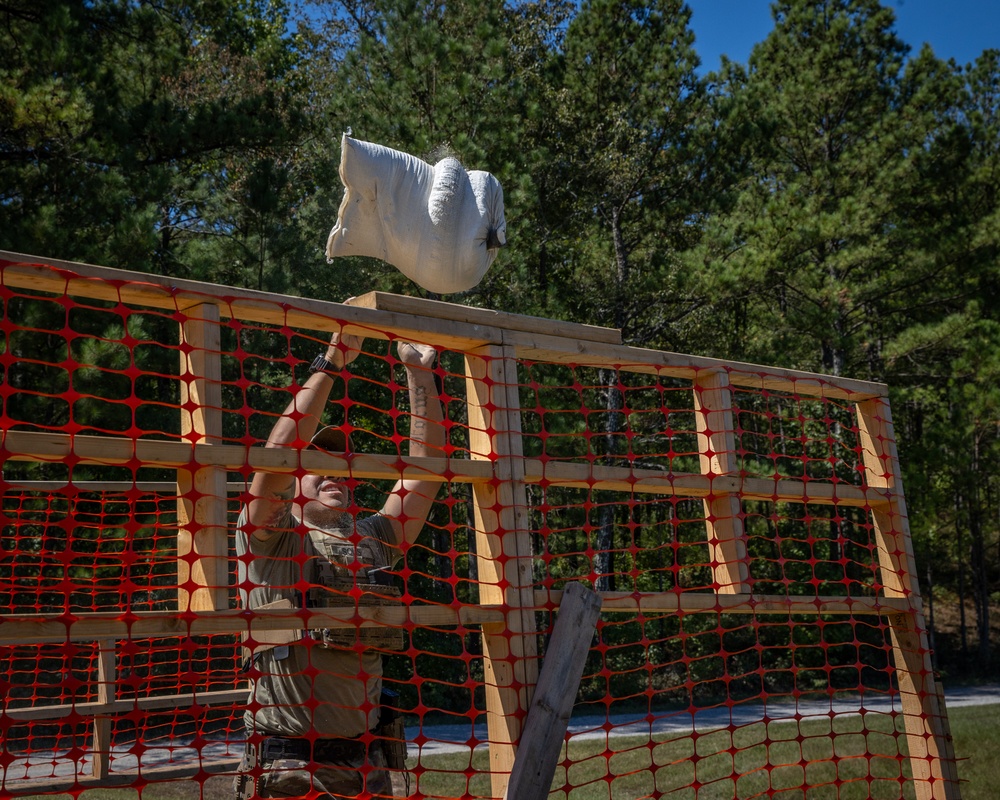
(441, 226)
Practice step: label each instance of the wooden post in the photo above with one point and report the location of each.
(202, 537)
(931, 753)
(503, 550)
(555, 695)
(713, 411)
(106, 680)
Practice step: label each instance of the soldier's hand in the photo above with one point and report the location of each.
(343, 348)
(417, 355)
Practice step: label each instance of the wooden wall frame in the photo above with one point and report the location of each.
(493, 343)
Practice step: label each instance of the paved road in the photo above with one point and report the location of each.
(463, 738)
(444, 738)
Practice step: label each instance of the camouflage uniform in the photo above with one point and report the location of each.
(321, 689)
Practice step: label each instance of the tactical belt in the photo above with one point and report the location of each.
(274, 748)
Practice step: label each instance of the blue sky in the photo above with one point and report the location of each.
(959, 29)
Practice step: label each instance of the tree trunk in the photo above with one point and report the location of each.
(613, 403)
(929, 594)
(605, 539)
(961, 574)
(977, 558)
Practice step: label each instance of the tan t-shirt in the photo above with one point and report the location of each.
(312, 689)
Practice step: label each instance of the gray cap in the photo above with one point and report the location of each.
(331, 439)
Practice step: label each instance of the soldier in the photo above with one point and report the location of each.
(316, 695)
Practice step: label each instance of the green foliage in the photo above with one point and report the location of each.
(133, 134)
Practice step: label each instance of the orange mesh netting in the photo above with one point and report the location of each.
(761, 633)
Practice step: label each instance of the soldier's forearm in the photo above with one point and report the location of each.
(427, 432)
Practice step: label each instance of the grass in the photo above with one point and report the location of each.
(832, 756)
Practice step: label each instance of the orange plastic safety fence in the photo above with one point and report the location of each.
(759, 634)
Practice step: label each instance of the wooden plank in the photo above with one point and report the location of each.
(34, 629)
(581, 475)
(86, 280)
(197, 771)
(552, 706)
(103, 487)
(540, 347)
(929, 745)
(503, 554)
(949, 766)
(586, 475)
(202, 523)
(30, 629)
(69, 278)
(704, 602)
(931, 753)
(813, 491)
(487, 317)
(109, 450)
(713, 412)
(106, 680)
(110, 708)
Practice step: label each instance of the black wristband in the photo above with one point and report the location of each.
(321, 364)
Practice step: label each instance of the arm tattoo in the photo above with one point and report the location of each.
(279, 510)
(418, 414)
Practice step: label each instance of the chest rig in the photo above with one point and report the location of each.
(336, 569)
(334, 585)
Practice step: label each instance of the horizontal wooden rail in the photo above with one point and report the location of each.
(702, 602)
(124, 705)
(72, 279)
(487, 317)
(107, 450)
(31, 629)
(556, 342)
(558, 350)
(204, 768)
(651, 481)
(114, 451)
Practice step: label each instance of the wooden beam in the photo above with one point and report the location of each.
(23, 445)
(555, 695)
(585, 475)
(74, 279)
(106, 487)
(503, 550)
(85, 280)
(114, 451)
(931, 753)
(534, 346)
(710, 602)
(487, 317)
(106, 681)
(47, 628)
(202, 513)
(713, 413)
(105, 710)
(197, 771)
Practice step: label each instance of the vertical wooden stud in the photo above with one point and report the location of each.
(202, 536)
(503, 548)
(102, 720)
(931, 753)
(713, 411)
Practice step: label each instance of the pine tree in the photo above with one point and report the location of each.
(147, 136)
(809, 243)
